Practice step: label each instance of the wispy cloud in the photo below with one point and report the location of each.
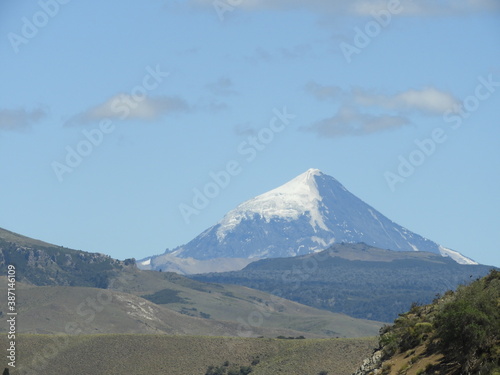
(428, 100)
(349, 121)
(20, 119)
(127, 107)
(323, 92)
(366, 7)
(365, 112)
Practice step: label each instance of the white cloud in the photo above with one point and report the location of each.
(363, 112)
(322, 92)
(128, 107)
(426, 101)
(429, 101)
(20, 119)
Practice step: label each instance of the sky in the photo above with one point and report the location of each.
(129, 127)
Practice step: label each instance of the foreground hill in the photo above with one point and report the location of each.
(355, 279)
(457, 334)
(185, 355)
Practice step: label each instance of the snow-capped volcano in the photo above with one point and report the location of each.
(305, 215)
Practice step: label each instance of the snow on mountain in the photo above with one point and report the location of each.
(455, 255)
(305, 215)
(186, 266)
(297, 197)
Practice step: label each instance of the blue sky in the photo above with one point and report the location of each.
(111, 114)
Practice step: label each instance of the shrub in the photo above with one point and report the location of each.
(389, 343)
(215, 370)
(255, 361)
(468, 326)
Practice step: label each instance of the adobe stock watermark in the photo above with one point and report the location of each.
(249, 149)
(32, 25)
(122, 107)
(363, 37)
(221, 7)
(455, 117)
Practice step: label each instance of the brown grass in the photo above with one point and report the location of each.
(184, 355)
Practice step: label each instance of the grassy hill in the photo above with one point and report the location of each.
(65, 279)
(354, 279)
(185, 355)
(457, 334)
(249, 307)
(214, 311)
(81, 310)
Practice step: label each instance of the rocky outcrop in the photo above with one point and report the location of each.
(371, 366)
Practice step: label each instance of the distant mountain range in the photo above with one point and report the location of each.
(306, 215)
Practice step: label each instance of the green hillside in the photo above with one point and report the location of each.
(457, 334)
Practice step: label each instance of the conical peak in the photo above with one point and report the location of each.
(312, 172)
(289, 201)
(308, 175)
(303, 185)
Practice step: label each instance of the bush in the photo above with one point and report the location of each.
(215, 370)
(468, 327)
(255, 361)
